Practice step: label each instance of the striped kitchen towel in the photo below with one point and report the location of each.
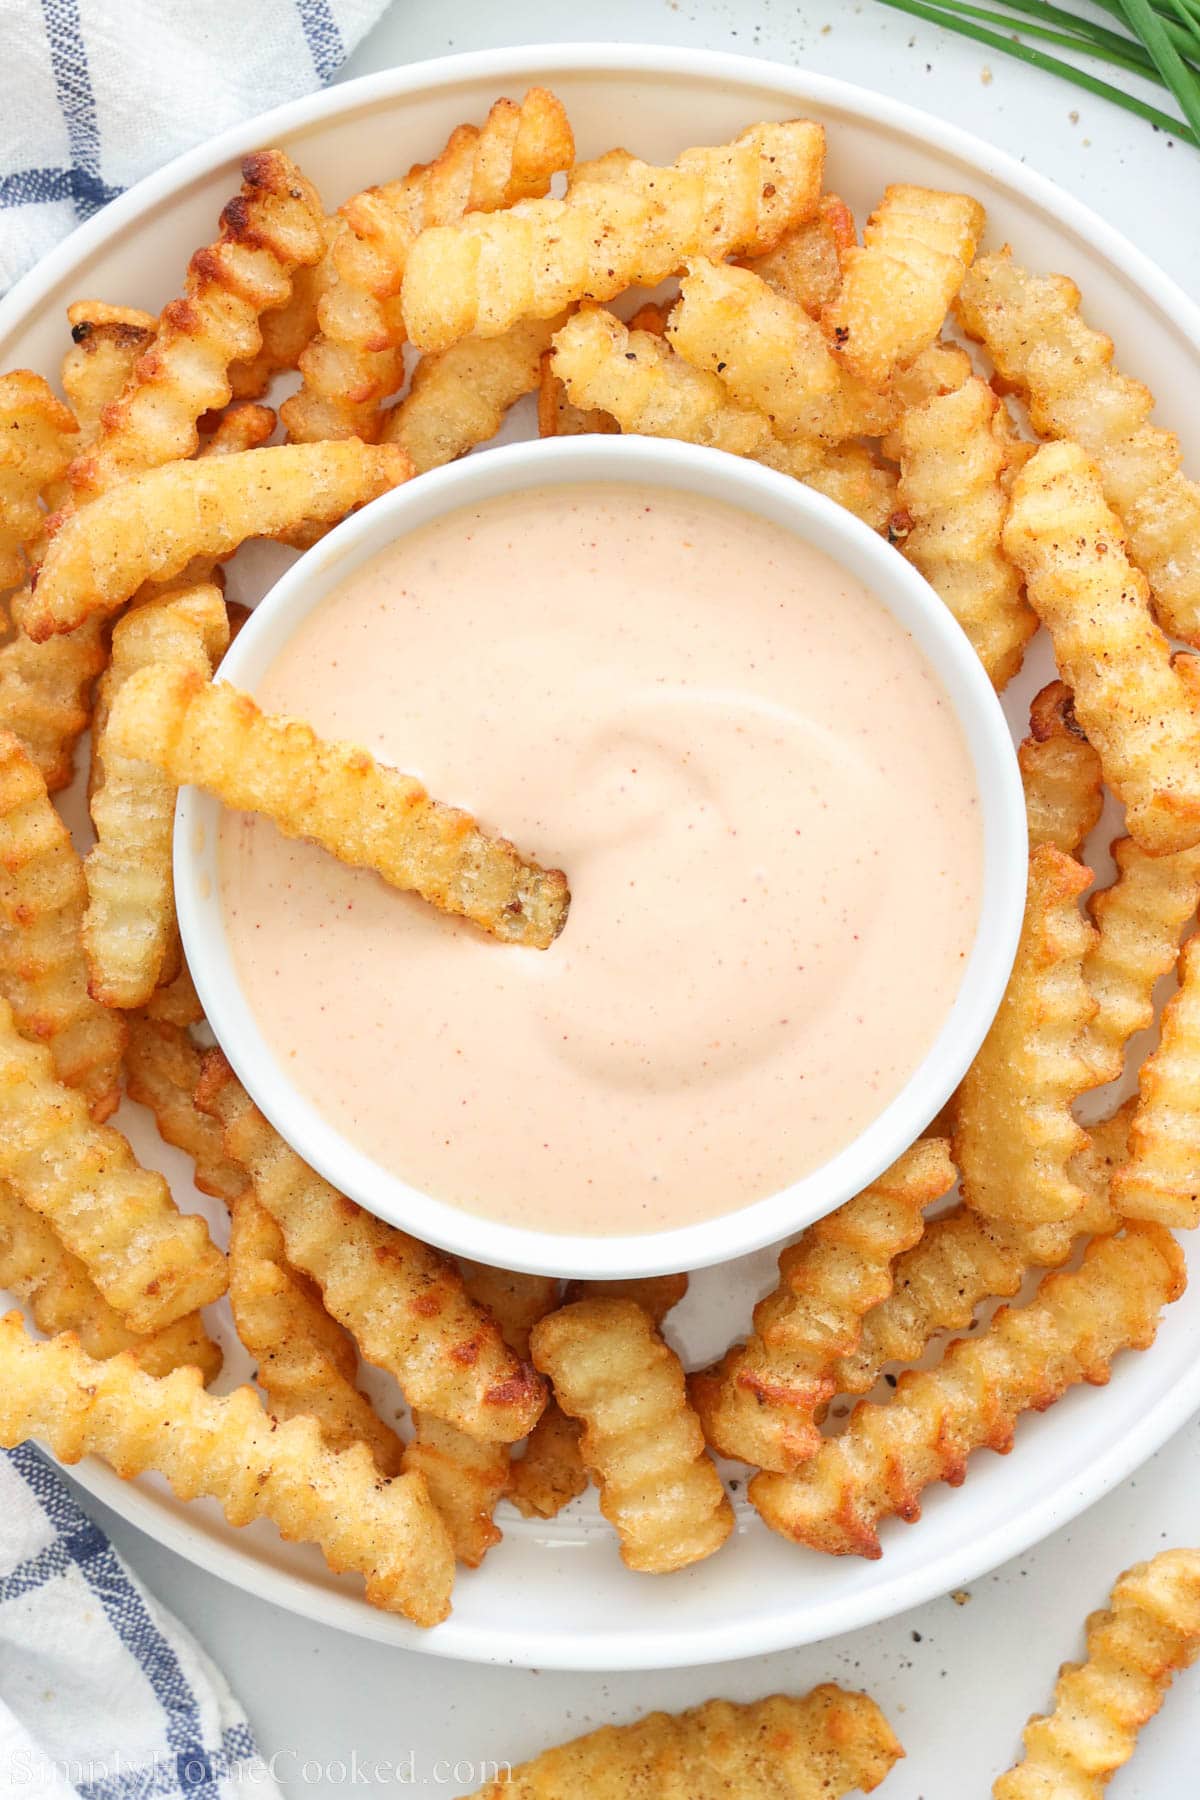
(103, 1695)
(96, 93)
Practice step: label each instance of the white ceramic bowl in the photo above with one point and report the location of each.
(642, 462)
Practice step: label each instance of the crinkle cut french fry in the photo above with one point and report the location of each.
(515, 1300)
(951, 463)
(268, 231)
(306, 1362)
(550, 1473)
(1064, 792)
(557, 414)
(338, 796)
(177, 1003)
(770, 355)
(655, 1294)
(43, 972)
(942, 368)
(459, 399)
(821, 1747)
(162, 1071)
(962, 1260)
(1032, 329)
(1025, 1358)
(641, 1439)
(129, 925)
(39, 1271)
(760, 1405)
(150, 527)
(45, 689)
(36, 430)
(466, 1478)
(479, 276)
(228, 1448)
(1139, 922)
(152, 1263)
(1147, 1633)
(287, 330)
(106, 344)
(647, 388)
(896, 288)
(806, 264)
(355, 360)
(1161, 1180)
(242, 426)
(1014, 1131)
(1136, 707)
(403, 1303)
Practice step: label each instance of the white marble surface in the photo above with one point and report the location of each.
(956, 1680)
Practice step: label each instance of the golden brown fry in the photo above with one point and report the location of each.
(1134, 705)
(942, 368)
(355, 360)
(1064, 794)
(896, 288)
(177, 1003)
(655, 1294)
(1139, 921)
(36, 430)
(45, 695)
(129, 925)
(1014, 1131)
(272, 228)
(459, 399)
(1026, 1358)
(403, 1303)
(163, 1068)
(821, 1747)
(1033, 331)
(516, 1301)
(151, 1263)
(550, 1472)
(641, 1439)
(649, 389)
(229, 1449)
(962, 1260)
(150, 527)
(242, 426)
(306, 1363)
(1161, 1180)
(106, 344)
(43, 972)
(806, 264)
(1150, 1630)
(61, 1296)
(466, 1478)
(337, 796)
(636, 226)
(557, 414)
(760, 1404)
(951, 462)
(45, 689)
(770, 355)
(287, 330)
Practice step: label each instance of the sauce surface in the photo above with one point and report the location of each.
(765, 808)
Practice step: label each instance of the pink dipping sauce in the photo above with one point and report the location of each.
(764, 804)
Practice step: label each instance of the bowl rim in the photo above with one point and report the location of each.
(638, 462)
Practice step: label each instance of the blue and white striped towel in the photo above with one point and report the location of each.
(96, 93)
(103, 1695)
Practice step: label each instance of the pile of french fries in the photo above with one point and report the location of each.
(954, 401)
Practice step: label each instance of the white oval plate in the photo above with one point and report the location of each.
(556, 1595)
